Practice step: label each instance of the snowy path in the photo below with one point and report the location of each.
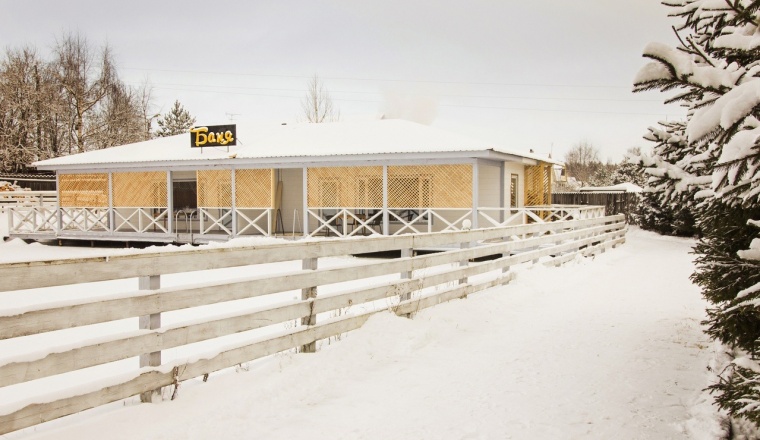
(609, 348)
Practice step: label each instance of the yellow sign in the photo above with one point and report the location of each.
(212, 136)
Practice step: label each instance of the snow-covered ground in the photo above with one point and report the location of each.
(609, 347)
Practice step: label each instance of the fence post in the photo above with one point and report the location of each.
(150, 322)
(505, 239)
(465, 262)
(309, 293)
(406, 275)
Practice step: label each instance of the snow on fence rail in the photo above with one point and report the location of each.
(27, 199)
(414, 287)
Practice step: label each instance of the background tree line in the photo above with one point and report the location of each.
(71, 103)
(583, 165)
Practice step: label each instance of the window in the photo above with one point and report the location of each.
(513, 190)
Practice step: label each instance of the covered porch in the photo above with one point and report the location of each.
(218, 204)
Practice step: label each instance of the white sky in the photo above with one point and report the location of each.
(541, 75)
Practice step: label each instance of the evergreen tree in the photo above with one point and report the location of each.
(603, 174)
(712, 162)
(177, 121)
(629, 171)
(667, 207)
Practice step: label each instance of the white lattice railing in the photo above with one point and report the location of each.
(32, 220)
(428, 220)
(254, 221)
(567, 212)
(495, 217)
(340, 222)
(141, 219)
(250, 221)
(84, 219)
(215, 220)
(346, 222)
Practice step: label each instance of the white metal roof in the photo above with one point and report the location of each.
(291, 142)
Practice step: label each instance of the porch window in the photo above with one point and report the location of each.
(513, 190)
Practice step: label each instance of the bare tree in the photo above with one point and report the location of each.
(85, 79)
(28, 101)
(145, 102)
(71, 104)
(118, 120)
(317, 106)
(582, 161)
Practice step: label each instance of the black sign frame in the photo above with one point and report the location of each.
(213, 136)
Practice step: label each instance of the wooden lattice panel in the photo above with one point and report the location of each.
(430, 186)
(345, 187)
(214, 188)
(140, 190)
(253, 188)
(538, 185)
(83, 190)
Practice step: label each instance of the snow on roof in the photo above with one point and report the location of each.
(260, 141)
(623, 187)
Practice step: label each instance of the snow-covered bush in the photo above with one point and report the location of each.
(710, 164)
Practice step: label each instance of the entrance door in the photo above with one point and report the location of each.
(185, 195)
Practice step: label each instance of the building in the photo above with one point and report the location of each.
(381, 176)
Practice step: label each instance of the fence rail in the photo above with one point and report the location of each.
(612, 202)
(412, 288)
(27, 199)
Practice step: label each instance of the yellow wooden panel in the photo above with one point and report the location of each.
(214, 188)
(538, 184)
(140, 189)
(430, 186)
(253, 188)
(83, 190)
(345, 187)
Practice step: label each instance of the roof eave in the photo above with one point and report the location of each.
(298, 161)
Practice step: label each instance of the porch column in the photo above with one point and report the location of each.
(305, 204)
(169, 202)
(475, 191)
(110, 203)
(386, 220)
(234, 205)
(502, 190)
(59, 217)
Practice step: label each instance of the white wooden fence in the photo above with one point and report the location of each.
(417, 282)
(27, 199)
